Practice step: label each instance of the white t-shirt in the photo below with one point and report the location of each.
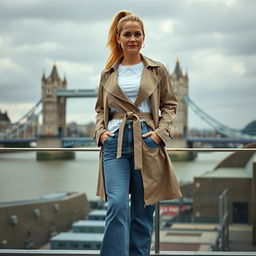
(129, 81)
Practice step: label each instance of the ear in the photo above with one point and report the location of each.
(117, 38)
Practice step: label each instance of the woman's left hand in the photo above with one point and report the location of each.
(153, 135)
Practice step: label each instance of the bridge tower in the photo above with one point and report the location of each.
(180, 85)
(54, 117)
(54, 108)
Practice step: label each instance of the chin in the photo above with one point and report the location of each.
(134, 50)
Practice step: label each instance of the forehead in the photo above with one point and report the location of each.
(131, 25)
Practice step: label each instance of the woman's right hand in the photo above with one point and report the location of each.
(104, 136)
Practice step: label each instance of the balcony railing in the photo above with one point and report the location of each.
(96, 253)
(223, 217)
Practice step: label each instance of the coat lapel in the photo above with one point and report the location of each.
(113, 88)
(149, 82)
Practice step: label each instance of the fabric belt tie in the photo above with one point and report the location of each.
(137, 140)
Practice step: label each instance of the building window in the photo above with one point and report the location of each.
(62, 245)
(74, 245)
(48, 91)
(87, 246)
(240, 212)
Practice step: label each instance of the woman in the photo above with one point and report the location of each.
(132, 136)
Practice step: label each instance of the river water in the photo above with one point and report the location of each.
(22, 177)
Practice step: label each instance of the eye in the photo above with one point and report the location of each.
(127, 34)
(138, 34)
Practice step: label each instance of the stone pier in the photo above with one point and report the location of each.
(52, 142)
(181, 155)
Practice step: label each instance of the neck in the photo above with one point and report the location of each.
(131, 59)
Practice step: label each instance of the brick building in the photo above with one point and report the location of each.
(237, 173)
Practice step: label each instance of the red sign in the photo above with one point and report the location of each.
(172, 209)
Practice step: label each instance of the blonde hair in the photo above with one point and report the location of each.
(115, 29)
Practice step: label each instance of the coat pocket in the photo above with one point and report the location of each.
(148, 141)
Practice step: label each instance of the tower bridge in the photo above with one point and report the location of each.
(52, 107)
(77, 93)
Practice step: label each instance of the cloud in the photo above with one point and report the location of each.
(7, 64)
(214, 40)
(238, 68)
(167, 26)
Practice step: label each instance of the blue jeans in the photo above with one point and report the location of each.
(128, 227)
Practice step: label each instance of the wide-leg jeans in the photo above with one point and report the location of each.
(129, 223)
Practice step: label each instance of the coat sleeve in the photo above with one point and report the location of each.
(168, 106)
(99, 108)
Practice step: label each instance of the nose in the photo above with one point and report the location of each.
(133, 38)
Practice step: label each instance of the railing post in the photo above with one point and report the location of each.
(254, 204)
(220, 222)
(157, 228)
(226, 220)
(223, 220)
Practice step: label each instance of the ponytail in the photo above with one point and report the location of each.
(115, 51)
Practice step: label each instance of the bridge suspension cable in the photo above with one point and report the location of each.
(221, 128)
(21, 126)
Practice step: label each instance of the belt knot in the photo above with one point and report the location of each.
(129, 115)
(136, 134)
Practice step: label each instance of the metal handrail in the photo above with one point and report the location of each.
(18, 252)
(167, 149)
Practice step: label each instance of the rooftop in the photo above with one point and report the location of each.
(227, 172)
(68, 236)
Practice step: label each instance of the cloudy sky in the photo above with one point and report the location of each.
(215, 41)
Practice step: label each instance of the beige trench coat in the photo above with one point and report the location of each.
(158, 176)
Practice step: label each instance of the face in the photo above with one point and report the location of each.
(131, 37)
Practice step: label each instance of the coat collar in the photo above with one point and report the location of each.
(147, 63)
(148, 83)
